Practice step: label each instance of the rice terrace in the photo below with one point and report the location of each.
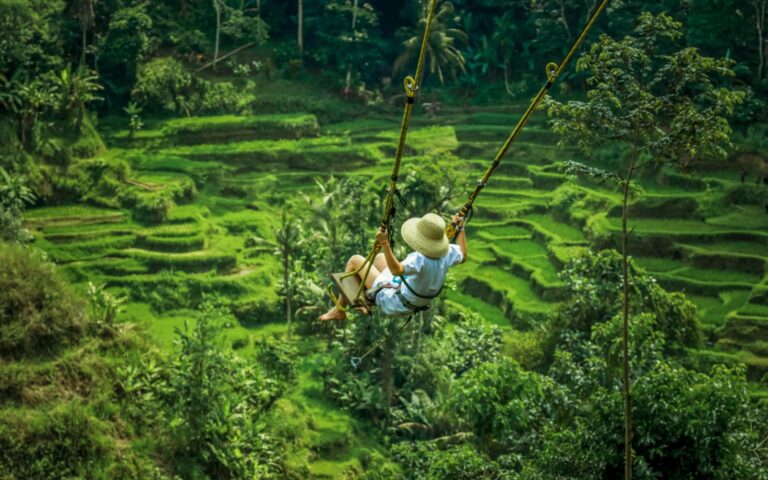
(419, 239)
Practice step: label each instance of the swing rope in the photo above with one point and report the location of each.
(553, 71)
(356, 361)
(411, 85)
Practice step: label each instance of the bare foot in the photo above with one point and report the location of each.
(333, 314)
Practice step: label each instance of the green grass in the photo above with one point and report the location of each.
(158, 161)
(48, 216)
(192, 125)
(565, 253)
(718, 276)
(173, 244)
(175, 230)
(68, 211)
(748, 217)
(561, 232)
(489, 313)
(714, 310)
(198, 261)
(659, 265)
(742, 248)
(677, 227)
(89, 250)
(501, 232)
(426, 140)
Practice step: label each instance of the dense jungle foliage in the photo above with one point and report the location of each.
(179, 179)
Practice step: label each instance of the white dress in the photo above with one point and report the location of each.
(425, 275)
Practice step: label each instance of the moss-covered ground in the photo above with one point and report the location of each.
(691, 233)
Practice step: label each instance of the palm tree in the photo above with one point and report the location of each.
(327, 215)
(77, 89)
(288, 239)
(442, 54)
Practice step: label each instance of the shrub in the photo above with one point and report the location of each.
(38, 312)
(66, 442)
(214, 399)
(278, 359)
(255, 311)
(425, 461)
(14, 196)
(147, 207)
(162, 84)
(746, 194)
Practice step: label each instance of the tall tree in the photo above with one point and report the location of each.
(83, 11)
(287, 239)
(348, 81)
(762, 44)
(300, 27)
(327, 217)
(217, 8)
(443, 54)
(287, 246)
(665, 107)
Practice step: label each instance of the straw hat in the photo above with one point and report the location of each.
(426, 235)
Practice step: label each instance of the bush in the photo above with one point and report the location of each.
(66, 442)
(252, 312)
(425, 461)
(38, 312)
(14, 196)
(147, 207)
(213, 401)
(278, 359)
(746, 195)
(162, 85)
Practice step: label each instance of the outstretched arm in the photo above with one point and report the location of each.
(394, 265)
(461, 239)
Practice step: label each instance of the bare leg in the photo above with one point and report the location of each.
(354, 263)
(380, 262)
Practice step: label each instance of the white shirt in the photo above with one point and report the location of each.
(425, 275)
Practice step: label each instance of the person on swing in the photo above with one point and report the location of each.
(401, 288)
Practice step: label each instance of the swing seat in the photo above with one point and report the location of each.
(348, 287)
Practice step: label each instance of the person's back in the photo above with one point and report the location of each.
(400, 289)
(425, 276)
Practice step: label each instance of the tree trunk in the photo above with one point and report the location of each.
(348, 86)
(84, 31)
(506, 78)
(625, 333)
(387, 374)
(217, 7)
(300, 29)
(564, 20)
(760, 7)
(258, 8)
(288, 290)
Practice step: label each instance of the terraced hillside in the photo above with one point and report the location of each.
(696, 235)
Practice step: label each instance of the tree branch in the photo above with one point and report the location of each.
(209, 64)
